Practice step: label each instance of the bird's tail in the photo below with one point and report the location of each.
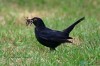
(70, 28)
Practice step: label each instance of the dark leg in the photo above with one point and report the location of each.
(52, 49)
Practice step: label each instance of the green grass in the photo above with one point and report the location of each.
(19, 47)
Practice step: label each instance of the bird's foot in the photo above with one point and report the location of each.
(52, 49)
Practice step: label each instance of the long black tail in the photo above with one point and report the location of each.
(70, 28)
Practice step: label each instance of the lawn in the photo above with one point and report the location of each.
(19, 47)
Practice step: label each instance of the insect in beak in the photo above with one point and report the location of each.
(28, 21)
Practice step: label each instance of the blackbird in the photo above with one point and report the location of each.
(48, 37)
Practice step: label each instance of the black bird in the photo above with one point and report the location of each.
(48, 37)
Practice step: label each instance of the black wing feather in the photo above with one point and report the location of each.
(52, 35)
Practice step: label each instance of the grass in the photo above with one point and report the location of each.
(19, 47)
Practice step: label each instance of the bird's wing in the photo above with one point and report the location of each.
(52, 35)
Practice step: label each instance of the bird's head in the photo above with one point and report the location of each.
(36, 21)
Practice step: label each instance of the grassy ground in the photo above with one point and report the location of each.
(19, 47)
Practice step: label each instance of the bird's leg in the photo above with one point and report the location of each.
(52, 49)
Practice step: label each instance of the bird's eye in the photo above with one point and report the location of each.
(35, 19)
